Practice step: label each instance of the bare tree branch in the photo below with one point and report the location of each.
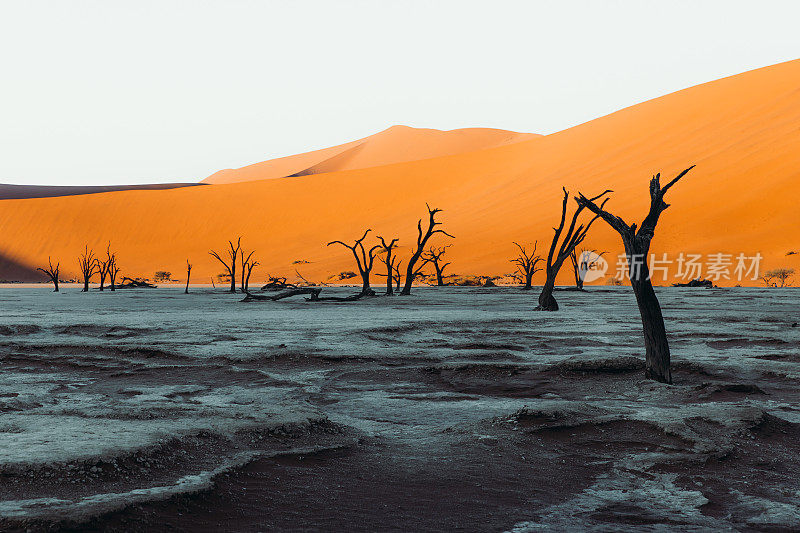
(637, 247)
(422, 239)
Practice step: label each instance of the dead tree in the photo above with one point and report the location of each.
(248, 265)
(313, 291)
(637, 246)
(422, 240)
(128, 283)
(88, 265)
(779, 277)
(388, 259)
(558, 253)
(102, 270)
(527, 263)
(232, 253)
(583, 262)
(52, 273)
(364, 260)
(396, 273)
(103, 266)
(434, 255)
(188, 275)
(278, 283)
(113, 270)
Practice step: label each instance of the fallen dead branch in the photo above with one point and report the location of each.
(312, 291)
(134, 284)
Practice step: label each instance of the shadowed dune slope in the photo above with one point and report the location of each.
(742, 133)
(8, 191)
(393, 145)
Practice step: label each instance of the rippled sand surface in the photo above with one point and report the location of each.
(452, 408)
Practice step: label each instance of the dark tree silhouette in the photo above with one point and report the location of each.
(232, 254)
(102, 271)
(188, 275)
(248, 264)
(313, 291)
(88, 265)
(396, 276)
(364, 260)
(558, 253)
(289, 292)
(113, 269)
(527, 263)
(104, 266)
(162, 275)
(578, 268)
(388, 259)
(128, 283)
(422, 240)
(778, 277)
(637, 246)
(52, 273)
(434, 255)
(396, 273)
(276, 283)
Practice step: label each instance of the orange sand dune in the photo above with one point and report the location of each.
(741, 132)
(393, 145)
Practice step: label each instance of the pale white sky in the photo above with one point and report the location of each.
(134, 92)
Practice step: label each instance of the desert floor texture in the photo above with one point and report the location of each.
(454, 408)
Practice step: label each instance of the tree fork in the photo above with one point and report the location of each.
(637, 245)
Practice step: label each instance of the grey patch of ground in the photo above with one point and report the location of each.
(450, 409)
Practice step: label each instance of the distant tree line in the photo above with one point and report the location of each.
(570, 232)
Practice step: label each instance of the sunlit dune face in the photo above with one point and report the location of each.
(495, 187)
(394, 145)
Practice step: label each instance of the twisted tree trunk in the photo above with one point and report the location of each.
(657, 356)
(574, 235)
(365, 259)
(422, 240)
(52, 273)
(546, 300)
(232, 253)
(637, 246)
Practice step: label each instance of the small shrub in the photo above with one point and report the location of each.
(347, 274)
(163, 275)
(778, 277)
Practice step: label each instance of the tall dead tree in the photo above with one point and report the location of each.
(637, 247)
(88, 265)
(232, 254)
(103, 266)
(188, 275)
(364, 260)
(102, 271)
(574, 235)
(583, 262)
(52, 273)
(527, 264)
(248, 264)
(422, 241)
(388, 259)
(396, 274)
(113, 270)
(434, 255)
